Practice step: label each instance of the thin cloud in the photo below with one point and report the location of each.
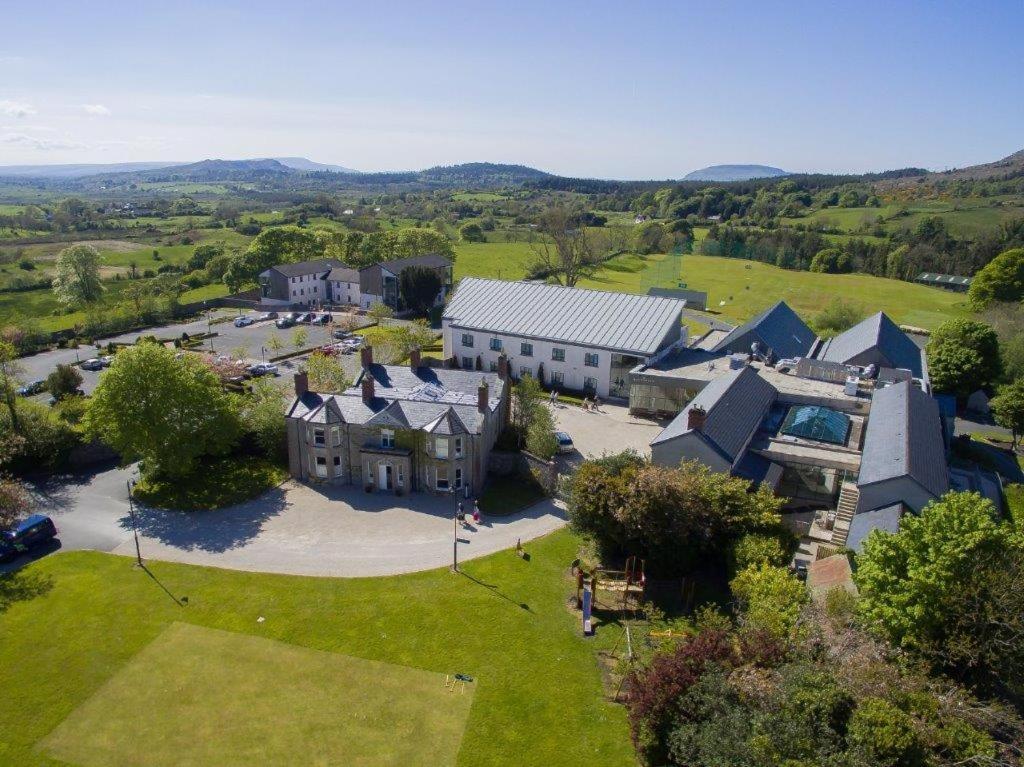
(16, 108)
(42, 144)
(96, 109)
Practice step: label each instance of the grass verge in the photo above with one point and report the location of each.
(217, 483)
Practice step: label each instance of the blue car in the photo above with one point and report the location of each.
(31, 388)
(25, 536)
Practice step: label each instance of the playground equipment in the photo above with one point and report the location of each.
(610, 589)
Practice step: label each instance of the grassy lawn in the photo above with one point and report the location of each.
(507, 495)
(82, 634)
(208, 684)
(1015, 503)
(216, 484)
(500, 260)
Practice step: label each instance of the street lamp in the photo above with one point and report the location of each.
(135, 524)
(455, 530)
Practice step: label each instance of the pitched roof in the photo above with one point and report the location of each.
(876, 333)
(308, 267)
(886, 518)
(616, 321)
(429, 260)
(778, 327)
(735, 404)
(904, 439)
(343, 274)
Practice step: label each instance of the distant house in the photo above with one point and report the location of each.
(778, 332)
(303, 283)
(380, 282)
(399, 428)
(947, 281)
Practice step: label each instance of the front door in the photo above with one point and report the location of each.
(383, 476)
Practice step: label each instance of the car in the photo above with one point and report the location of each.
(32, 387)
(307, 317)
(262, 369)
(321, 319)
(340, 333)
(285, 322)
(25, 536)
(94, 363)
(267, 316)
(565, 444)
(242, 322)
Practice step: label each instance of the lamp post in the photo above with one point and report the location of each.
(455, 530)
(135, 524)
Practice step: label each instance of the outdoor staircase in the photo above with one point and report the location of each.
(845, 509)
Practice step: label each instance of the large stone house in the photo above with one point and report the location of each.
(399, 428)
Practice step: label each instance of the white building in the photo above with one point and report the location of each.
(569, 338)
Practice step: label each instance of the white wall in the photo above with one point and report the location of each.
(573, 370)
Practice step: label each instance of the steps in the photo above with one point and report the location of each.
(845, 509)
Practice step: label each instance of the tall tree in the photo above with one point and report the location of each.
(77, 280)
(963, 355)
(1008, 407)
(419, 286)
(563, 250)
(165, 411)
(1002, 279)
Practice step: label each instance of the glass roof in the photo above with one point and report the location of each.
(818, 423)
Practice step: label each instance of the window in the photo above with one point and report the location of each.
(558, 355)
(441, 447)
(467, 363)
(401, 475)
(467, 340)
(458, 478)
(589, 384)
(557, 377)
(318, 437)
(525, 370)
(387, 438)
(442, 479)
(335, 436)
(495, 344)
(458, 447)
(590, 360)
(337, 465)
(526, 349)
(494, 366)
(321, 466)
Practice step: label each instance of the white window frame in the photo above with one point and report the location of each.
(441, 447)
(400, 476)
(458, 447)
(319, 437)
(591, 360)
(467, 337)
(321, 466)
(458, 478)
(335, 436)
(387, 438)
(438, 481)
(338, 470)
(557, 354)
(525, 349)
(494, 345)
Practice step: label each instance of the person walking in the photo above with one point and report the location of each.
(597, 404)
(476, 512)
(554, 398)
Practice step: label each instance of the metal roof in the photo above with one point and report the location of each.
(876, 333)
(735, 404)
(904, 439)
(620, 322)
(778, 327)
(308, 267)
(943, 279)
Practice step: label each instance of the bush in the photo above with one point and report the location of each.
(756, 549)
(220, 482)
(884, 735)
(63, 381)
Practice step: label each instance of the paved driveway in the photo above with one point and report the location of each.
(611, 430)
(295, 529)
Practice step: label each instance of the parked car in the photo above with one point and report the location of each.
(285, 322)
(267, 316)
(25, 536)
(33, 387)
(321, 319)
(306, 317)
(242, 322)
(262, 369)
(95, 363)
(565, 444)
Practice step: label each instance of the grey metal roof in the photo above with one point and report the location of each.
(886, 518)
(735, 404)
(933, 278)
(904, 439)
(876, 333)
(308, 267)
(620, 322)
(778, 327)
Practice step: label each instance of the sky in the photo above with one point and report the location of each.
(605, 90)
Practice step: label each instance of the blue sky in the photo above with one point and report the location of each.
(611, 90)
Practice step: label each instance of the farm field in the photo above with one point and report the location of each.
(103, 664)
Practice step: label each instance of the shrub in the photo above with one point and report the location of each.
(884, 735)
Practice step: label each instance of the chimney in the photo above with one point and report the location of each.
(366, 356)
(482, 398)
(368, 391)
(696, 417)
(503, 366)
(301, 383)
(414, 357)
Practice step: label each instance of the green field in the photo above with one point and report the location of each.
(500, 260)
(235, 699)
(78, 647)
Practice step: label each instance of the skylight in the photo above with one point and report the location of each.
(821, 424)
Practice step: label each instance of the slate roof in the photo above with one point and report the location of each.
(880, 333)
(778, 327)
(886, 518)
(343, 274)
(621, 322)
(759, 470)
(735, 404)
(904, 439)
(427, 398)
(308, 267)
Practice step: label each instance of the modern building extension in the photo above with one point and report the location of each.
(331, 282)
(568, 338)
(399, 428)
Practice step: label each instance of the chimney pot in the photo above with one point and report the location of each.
(503, 366)
(482, 397)
(414, 357)
(301, 383)
(696, 417)
(368, 388)
(366, 356)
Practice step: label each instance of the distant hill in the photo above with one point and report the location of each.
(301, 163)
(204, 171)
(81, 170)
(734, 173)
(1011, 166)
